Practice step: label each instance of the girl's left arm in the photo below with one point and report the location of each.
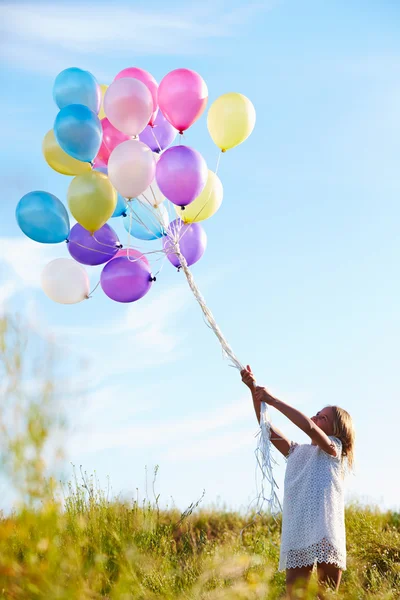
(318, 436)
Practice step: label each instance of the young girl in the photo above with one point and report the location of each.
(313, 528)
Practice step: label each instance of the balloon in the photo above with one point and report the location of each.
(205, 205)
(132, 254)
(230, 120)
(59, 160)
(65, 281)
(93, 249)
(99, 163)
(153, 195)
(75, 86)
(160, 136)
(43, 218)
(182, 97)
(121, 206)
(149, 82)
(78, 131)
(181, 174)
(128, 105)
(91, 200)
(124, 280)
(131, 167)
(103, 89)
(192, 242)
(146, 222)
(112, 137)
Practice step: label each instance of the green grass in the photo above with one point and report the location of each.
(89, 547)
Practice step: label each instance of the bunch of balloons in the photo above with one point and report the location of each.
(115, 141)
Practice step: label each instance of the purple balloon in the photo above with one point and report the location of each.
(163, 132)
(192, 241)
(181, 174)
(93, 249)
(123, 280)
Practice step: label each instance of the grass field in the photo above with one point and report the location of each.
(88, 547)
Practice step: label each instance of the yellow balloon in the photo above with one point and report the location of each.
(205, 205)
(230, 120)
(102, 114)
(92, 200)
(59, 160)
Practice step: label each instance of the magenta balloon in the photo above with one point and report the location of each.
(112, 136)
(148, 80)
(192, 242)
(160, 136)
(182, 97)
(93, 249)
(181, 174)
(125, 281)
(133, 255)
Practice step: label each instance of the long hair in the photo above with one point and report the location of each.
(343, 429)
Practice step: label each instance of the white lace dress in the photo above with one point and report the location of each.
(313, 508)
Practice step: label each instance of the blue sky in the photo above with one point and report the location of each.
(302, 265)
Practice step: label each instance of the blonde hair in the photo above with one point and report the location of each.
(343, 429)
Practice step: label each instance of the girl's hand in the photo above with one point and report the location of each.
(263, 395)
(248, 377)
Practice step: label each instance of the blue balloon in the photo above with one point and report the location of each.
(75, 86)
(43, 218)
(144, 222)
(121, 207)
(78, 131)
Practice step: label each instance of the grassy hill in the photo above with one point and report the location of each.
(91, 548)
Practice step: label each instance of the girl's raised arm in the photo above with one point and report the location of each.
(277, 438)
(316, 434)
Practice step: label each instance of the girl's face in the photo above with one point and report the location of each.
(324, 420)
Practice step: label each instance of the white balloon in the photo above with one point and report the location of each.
(131, 168)
(128, 105)
(65, 281)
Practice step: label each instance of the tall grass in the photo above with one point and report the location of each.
(88, 545)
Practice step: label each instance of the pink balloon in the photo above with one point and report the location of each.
(149, 82)
(182, 97)
(128, 105)
(112, 137)
(100, 162)
(133, 255)
(131, 167)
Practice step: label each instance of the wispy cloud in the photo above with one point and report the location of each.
(177, 436)
(41, 36)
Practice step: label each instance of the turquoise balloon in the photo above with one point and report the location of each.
(78, 131)
(143, 224)
(43, 218)
(75, 86)
(121, 206)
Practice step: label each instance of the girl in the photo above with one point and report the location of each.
(313, 528)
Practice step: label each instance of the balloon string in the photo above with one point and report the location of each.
(102, 243)
(207, 313)
(129, 231)
(263, 453)
(93, 249)
(93, 290)
(154, 136)
(154, 212)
